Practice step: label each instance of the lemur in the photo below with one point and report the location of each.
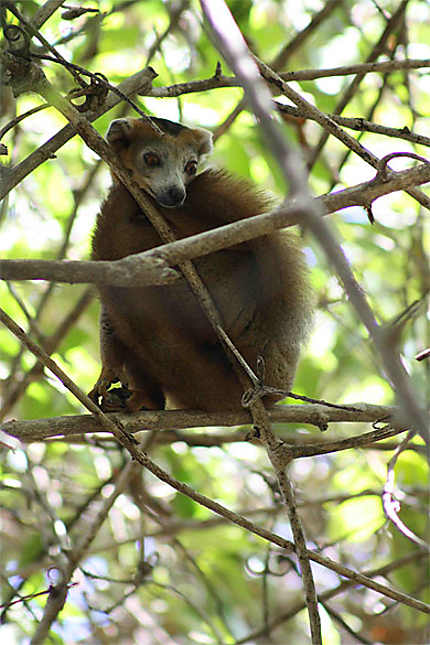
(156, 341)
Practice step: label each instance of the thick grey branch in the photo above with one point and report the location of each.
(315, 414)
(133, 270)
(45, 12)
(151, 267)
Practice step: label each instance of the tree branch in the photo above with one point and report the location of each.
(17, 387)
(150, 267)
(88, 531)
(130, 271)
(315, 414)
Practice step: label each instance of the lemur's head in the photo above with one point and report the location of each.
(162, 164)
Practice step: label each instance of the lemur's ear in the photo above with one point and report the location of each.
(118, 133)
(204, 140)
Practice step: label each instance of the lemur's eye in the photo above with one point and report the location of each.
(151, 159)
(191, 167)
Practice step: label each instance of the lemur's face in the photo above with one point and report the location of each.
(162, 164)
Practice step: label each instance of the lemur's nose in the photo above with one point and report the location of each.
(176, 195)
(172, 197)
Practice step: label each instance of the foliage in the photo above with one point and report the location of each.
(161, 568)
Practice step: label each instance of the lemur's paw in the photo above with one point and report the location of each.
(115, 400)
(100, 390)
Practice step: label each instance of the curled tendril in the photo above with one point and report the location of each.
(18, 40)
(95, 93)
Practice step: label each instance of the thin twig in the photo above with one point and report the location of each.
(88, 532)
(390, 504)
(50, 344)
(221, 81)
(359, 124)
(21, 117)
(343, 586)
(350, 91)
(123, 437)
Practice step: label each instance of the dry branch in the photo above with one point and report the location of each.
(390, 504)
(359, 124)
(379, 48)
(164, 420)
(221, 81)
(111, 426)
(136, 271)
(150, 267)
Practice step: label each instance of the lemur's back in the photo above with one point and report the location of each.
(160, 342)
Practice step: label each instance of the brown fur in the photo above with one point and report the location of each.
(159, 342)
